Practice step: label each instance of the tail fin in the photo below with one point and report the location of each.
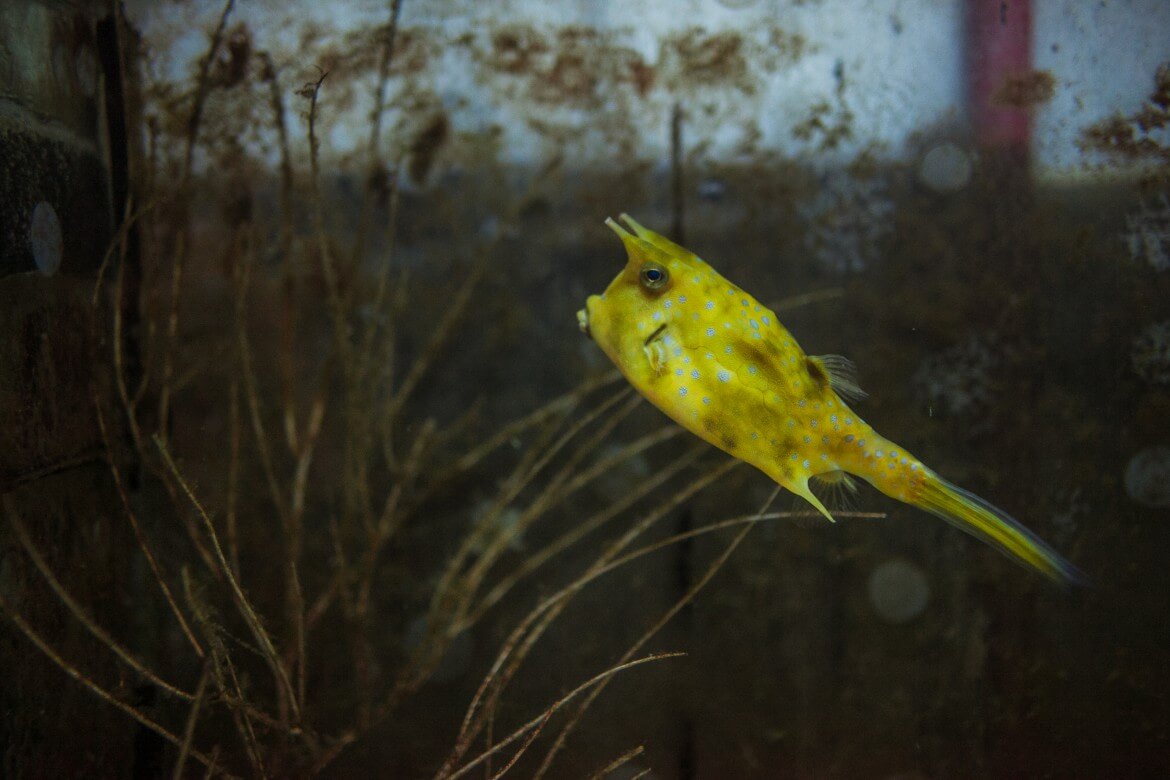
(972, 514)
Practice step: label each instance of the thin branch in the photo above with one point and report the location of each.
(333, 290)
(621, 760)
(687, 597)
(520, 642)
(192, 720)
(804, 299)
(242, 276)
(93, 687)
(557, 705)
(203, 87)
(242, 603)
(79, 612)
(375, 157)
(226, 681)
(143, 543)
(580, 530)
(556, 407)
(170, 341)
(438, 339)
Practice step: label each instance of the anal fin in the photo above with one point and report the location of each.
(802, 489)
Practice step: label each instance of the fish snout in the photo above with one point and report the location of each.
(583, 321)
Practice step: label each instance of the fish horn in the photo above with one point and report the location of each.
(662, 242)
(637, 247)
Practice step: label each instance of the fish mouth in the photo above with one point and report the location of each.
(583, 320)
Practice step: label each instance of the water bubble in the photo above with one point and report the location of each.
(1149, 353)
(44, 236)
(898, 591)
(946, 167)
(712, 189)
(1147, 477)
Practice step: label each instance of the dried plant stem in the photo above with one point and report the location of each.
(551, 494)
(379, 302)
(233, 491)
(581, 530)
(550, 711)
(203, 87)
(520, 642)
(225, 678)
(79, 612)
(93, 687)
(179, 251)
(143, 543)
(284, 246)
(129, 402)
(192, 720)
(729, 523)
(242, 604)
(438, 339)
(804, 299)
(619, 457)
(687, 597)
(242, 276)
(328, 269)
(620, 761)
(451, 600)
(373, 152)
(386, 525)
(129, 219)
(383, 76)
(170, 340)
(557, 407)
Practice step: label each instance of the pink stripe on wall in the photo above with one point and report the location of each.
(999, 50)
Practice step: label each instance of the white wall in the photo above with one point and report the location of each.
(900, 62)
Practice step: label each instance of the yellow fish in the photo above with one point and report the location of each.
(721, 365)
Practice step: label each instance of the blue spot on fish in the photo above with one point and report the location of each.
(724, 376)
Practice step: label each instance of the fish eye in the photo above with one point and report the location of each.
(654, 276)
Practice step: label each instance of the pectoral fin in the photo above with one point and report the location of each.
(839, 372)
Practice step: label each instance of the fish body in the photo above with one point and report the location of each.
(721, 364)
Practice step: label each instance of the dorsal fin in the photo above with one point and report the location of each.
(841, 375)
